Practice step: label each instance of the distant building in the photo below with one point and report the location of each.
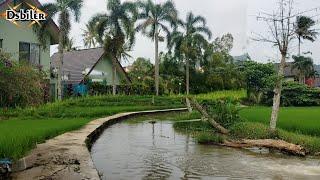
(291, 74)
(241, 59)
(91, 63)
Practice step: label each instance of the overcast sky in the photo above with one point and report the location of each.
(223, 16)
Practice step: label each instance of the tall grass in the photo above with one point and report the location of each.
(236, 95)
(22, 129)
(255, 130)
(19, 136)
(302, 120)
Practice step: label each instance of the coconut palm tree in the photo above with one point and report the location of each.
(64, 10)
(116, 31)
(303, 30)
(156, 18)
(189, 42)
(69, 45)
(305, 67)
(90, 35)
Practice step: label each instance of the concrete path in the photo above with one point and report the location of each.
(67, 156)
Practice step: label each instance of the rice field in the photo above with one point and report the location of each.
(302, 120)
(22, 129)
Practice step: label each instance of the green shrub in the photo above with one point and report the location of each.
(224, 111)
(295, 94)
(259, 77)
(20, 84)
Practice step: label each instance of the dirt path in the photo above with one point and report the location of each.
(67, 156)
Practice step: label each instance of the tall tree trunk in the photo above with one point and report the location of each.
(299, 46)
(156, 72)
(187, 76)
(277, 95)
(301, 79)
(114, 71)
(60, 66)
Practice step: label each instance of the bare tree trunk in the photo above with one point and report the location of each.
(60, 66)
(187, 76)
(301, 79)
(114, 71)
(156, 75)
(299, 46)
(277, 95)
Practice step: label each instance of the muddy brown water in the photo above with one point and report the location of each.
(156, 151)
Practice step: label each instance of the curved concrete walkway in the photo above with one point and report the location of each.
(67, 156)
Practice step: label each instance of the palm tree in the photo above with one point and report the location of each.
(63, 9)
(69, 45)
(189, 42)
(304, 31)
(116, 31)
(305, 67)
(156, 18)
(90, 35)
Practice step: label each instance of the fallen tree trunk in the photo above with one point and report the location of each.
(268, 143)
(188, 105)
(204, 113)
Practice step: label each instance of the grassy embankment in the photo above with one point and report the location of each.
(300, 129)
(298, 125)
(22, 129)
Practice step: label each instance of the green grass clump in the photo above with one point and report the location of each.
(249, 130)
(254, 130)
(301, 120)
(209, 138)
(235, 95)
(22, 129)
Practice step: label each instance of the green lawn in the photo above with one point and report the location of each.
(22, 129)
(302, 120)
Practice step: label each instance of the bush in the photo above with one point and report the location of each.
(295, 94)
(224, 111)
(20, 84)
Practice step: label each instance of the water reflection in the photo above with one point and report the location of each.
(156, 151)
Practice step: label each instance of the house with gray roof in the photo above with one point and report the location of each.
(291, 74)
(91, 63)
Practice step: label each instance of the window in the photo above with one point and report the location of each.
(1, 41)
(29, 52)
